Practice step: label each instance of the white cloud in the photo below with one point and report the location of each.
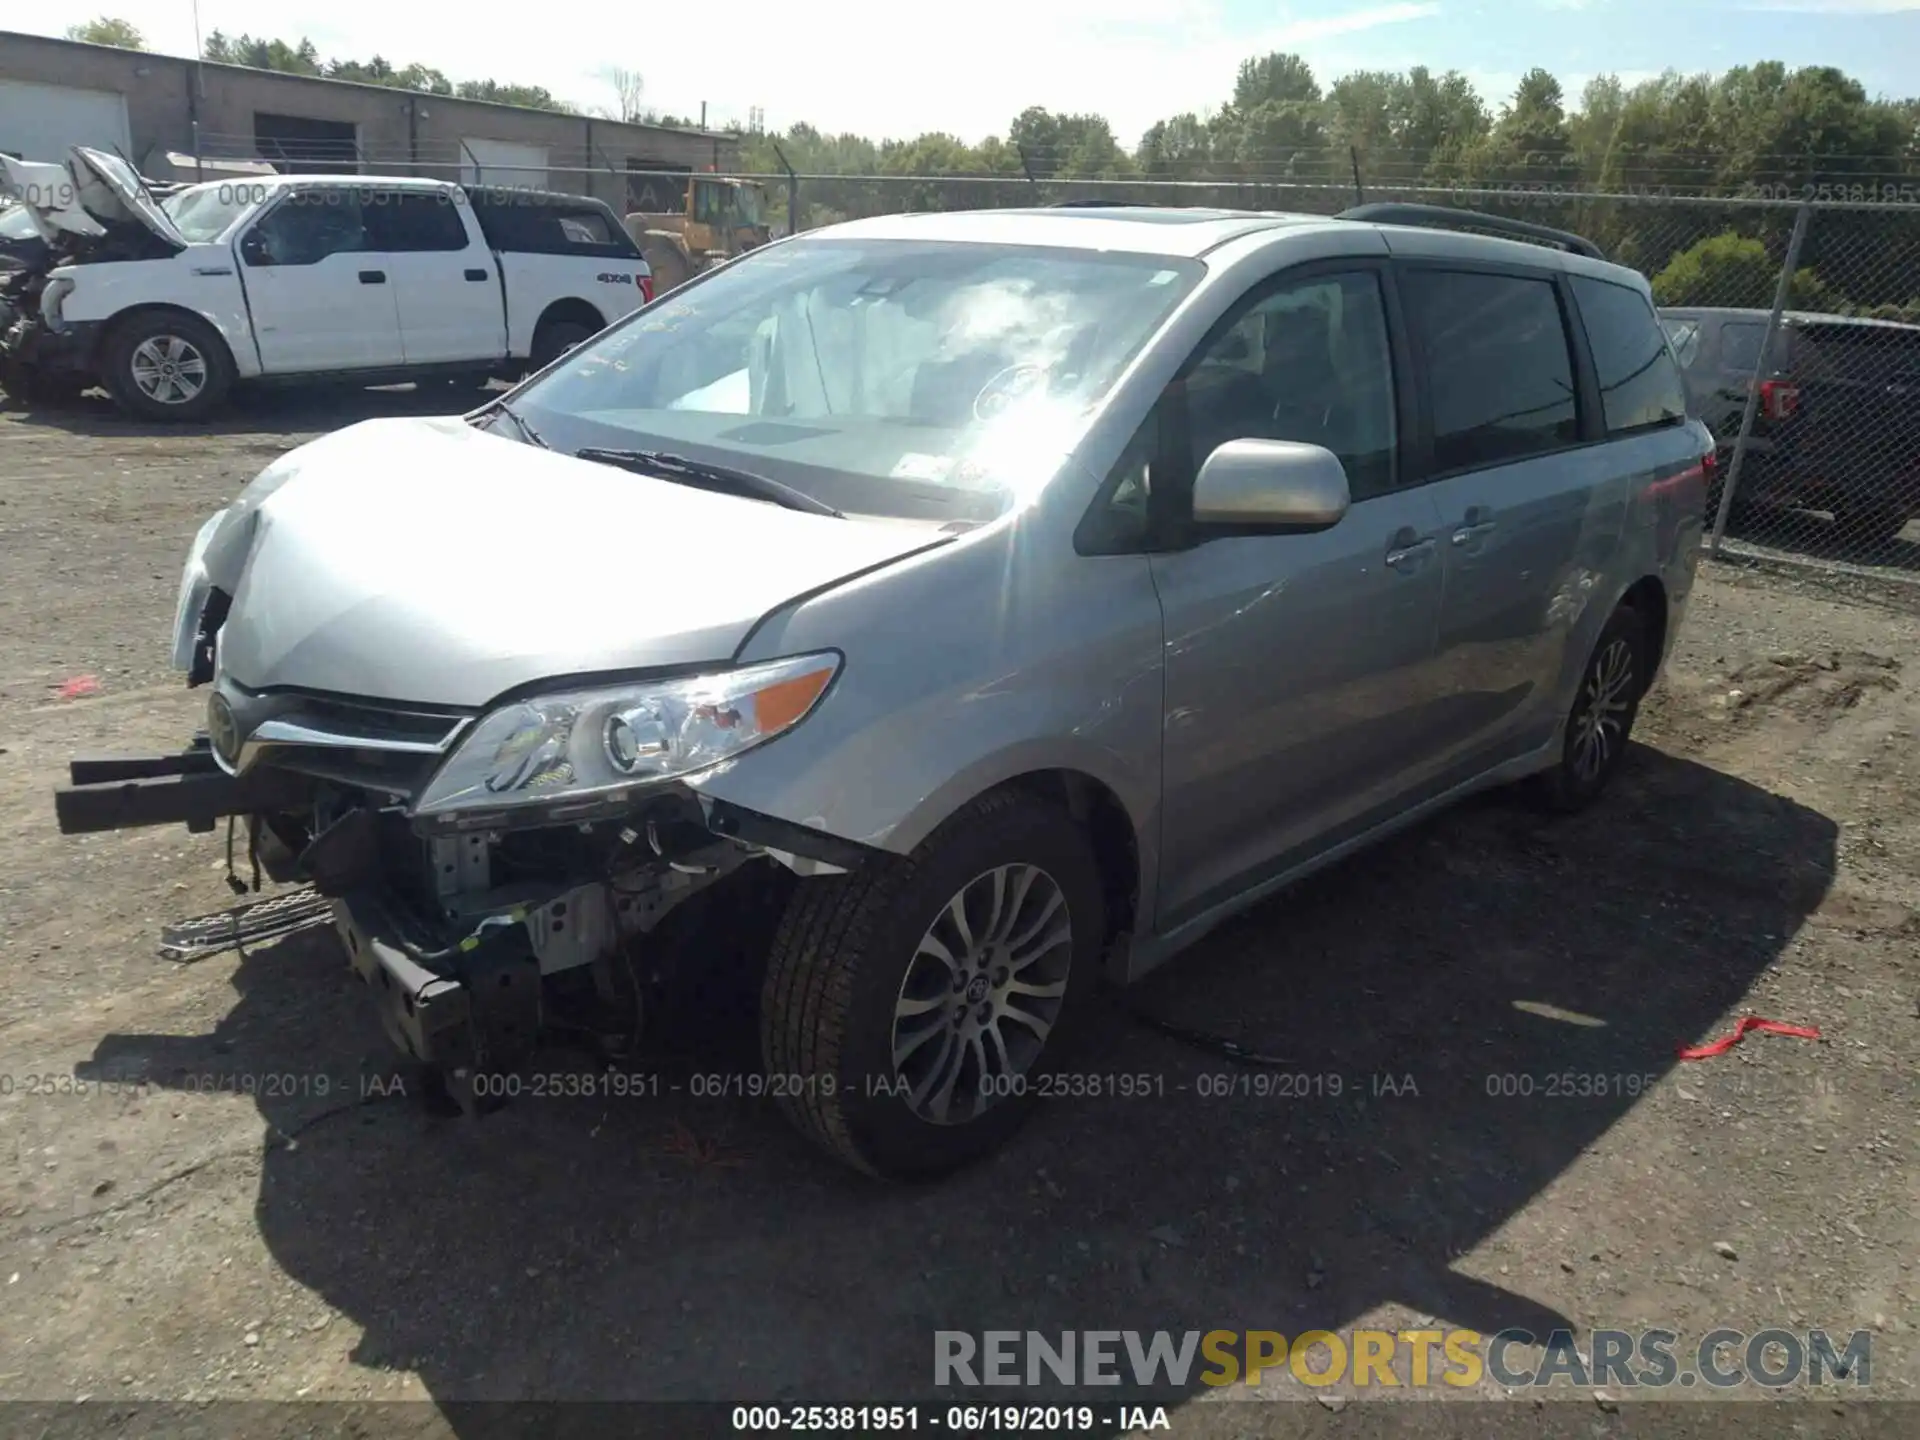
(859, 65)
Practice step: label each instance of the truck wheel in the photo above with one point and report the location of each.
(555, 338)
(909, 1008)
(167, 366)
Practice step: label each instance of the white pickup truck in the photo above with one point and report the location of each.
(170, 302)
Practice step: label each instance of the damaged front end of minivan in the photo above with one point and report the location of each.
(500, 863)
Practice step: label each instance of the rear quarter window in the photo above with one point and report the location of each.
(547, 228)
(1640, 386)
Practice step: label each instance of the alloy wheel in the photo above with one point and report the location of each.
(1600, 718)
(168, 370)
(982, 993)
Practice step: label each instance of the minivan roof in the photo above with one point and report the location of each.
(1187, 232)
(1145, 230)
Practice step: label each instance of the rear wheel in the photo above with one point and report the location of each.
(1604, 709)
(165, 365)
(911, 1008)
(555, 338)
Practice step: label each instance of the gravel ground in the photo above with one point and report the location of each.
(258, 1220)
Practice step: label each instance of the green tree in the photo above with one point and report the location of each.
(107, 30)
(1737, 270)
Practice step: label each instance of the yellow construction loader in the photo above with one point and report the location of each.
(723, 218)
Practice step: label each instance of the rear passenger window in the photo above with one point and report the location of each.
(1497, 366)
(411, 221)
(1639, 383)
(1740, 344)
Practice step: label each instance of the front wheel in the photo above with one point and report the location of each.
(912, 1010)
(1603, 713)
(167, 366)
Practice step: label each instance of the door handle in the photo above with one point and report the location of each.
(373, 277)
(1478, 521)
(476, 275)
(1406, 550)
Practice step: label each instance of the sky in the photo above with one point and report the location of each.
(868, 67)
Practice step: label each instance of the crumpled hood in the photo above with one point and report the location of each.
(92, 190)
(429, 562)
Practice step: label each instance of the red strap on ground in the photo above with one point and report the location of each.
(1740, 1031)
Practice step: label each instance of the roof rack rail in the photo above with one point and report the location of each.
(1104, 205)
(1441, 217)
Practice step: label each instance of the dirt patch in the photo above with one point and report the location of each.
(212, 1192)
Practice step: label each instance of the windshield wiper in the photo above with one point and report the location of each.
(500, 407)
(724, 478)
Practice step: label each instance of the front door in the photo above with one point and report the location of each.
(320, 293)
(1299, 674)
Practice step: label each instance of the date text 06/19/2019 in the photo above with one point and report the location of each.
(953, 1419)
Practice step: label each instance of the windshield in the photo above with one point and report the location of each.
(889, 377)
(749, 199)
(204, 212)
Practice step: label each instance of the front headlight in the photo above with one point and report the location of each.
(591, 745)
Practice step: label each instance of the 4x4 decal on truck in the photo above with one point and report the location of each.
(610, 278)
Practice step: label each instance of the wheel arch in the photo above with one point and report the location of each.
(570, 309)
(120, 319)
(1648, 596)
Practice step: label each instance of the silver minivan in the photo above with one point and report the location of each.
(993, 601)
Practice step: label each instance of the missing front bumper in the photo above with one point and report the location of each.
(118, 792)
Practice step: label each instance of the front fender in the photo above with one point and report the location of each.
(964, 669)
(203, 281)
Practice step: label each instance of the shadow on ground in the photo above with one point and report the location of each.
(671, 1247)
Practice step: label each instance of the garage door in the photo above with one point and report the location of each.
(502, 162)
(41, 122)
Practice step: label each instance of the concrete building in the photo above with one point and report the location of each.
(164, 111)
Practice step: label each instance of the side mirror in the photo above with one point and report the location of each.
(253, 248)
(1271, 485)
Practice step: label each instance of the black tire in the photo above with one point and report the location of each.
(1575, 783)
(842, 957)
(554, 338)
(133, 346)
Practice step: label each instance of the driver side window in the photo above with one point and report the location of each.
(306, 228)
(1309, 361)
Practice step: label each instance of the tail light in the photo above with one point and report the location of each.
(1778, 399)
(646, 289)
